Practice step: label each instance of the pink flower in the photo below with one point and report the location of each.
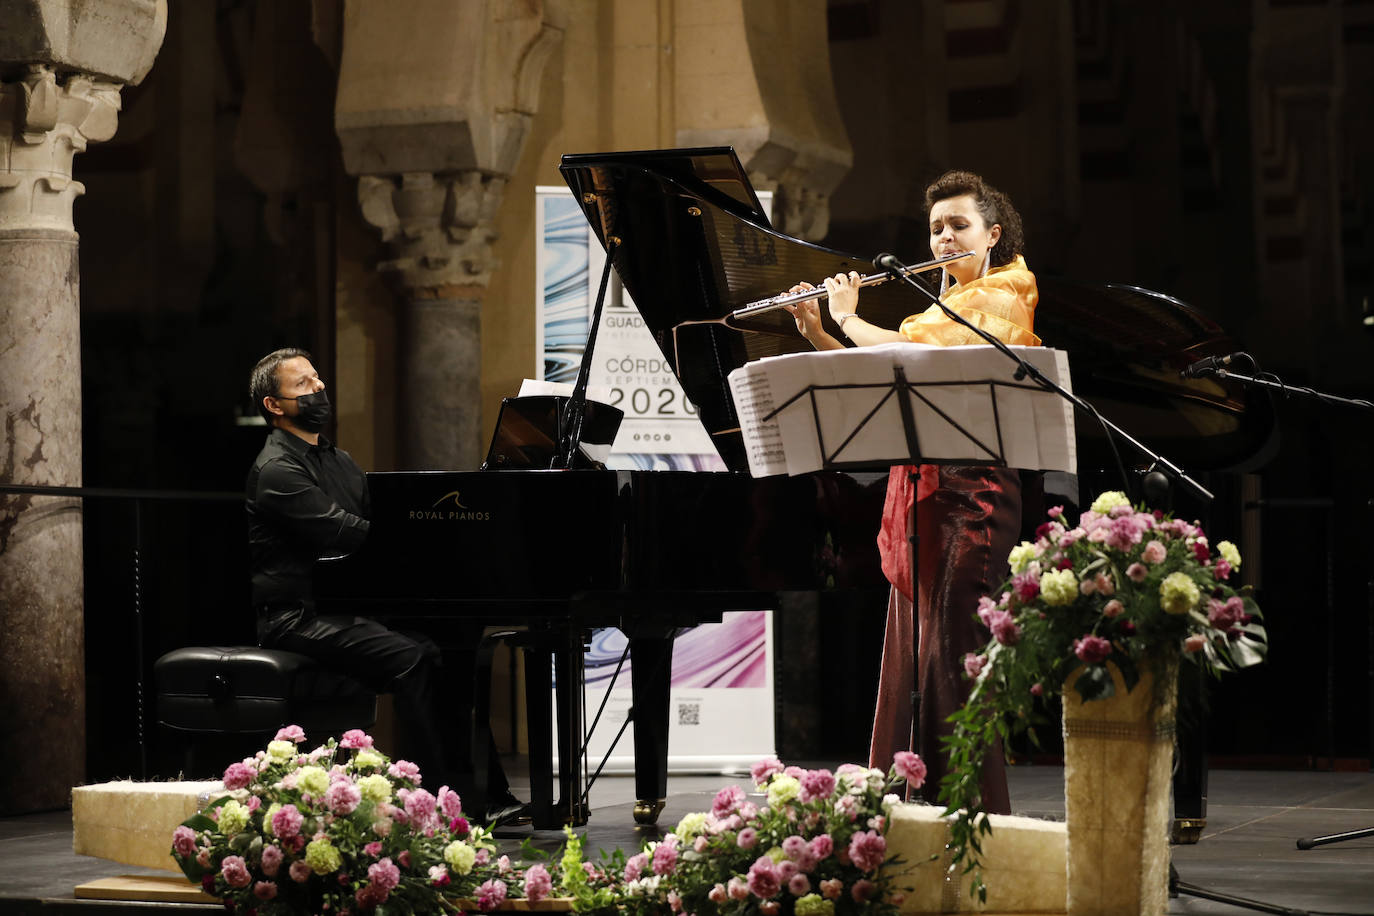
(491, 894)
(1154, 553)
(832, 888)
(404, 769)
(1105, 585)
(265, 890)
(700, 844)
(847, 806)
(817, 784)
(355, 739)
(1222, 570)
(271, 860)
(1027, 584)
(384, 875)
(373, 849)
(382, 826)
(986, 607)
(1037, 690)
(1125, 532)
(862, 890)
(973, 664)
(1137, 572)
(342, 797)
(1200, 550)
(459, 827)
(449, 802)
(421, 808)
(665, 858)
(1055, 512)
(300, 872)
(184, 841)
(1194, 643)
(718, 894)
(1092, 649)
(866, 850)
(822, 846)
(799, 885)
(286, 823)
(763, 878)
(737, 888)
(747, 838)
(910, 767)
(438, 876)
(765, 769)
(235, 871)
(727, 801)
(1113, 608)
(1004, 628)
(538, 884)
(483, 857)
(769, 908)
(634, 866)
(239, 776)
(254, 803)
(292, 733)
(1225, 615)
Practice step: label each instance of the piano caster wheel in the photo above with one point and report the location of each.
(1186, 831)
(575, 816)
(646, 812)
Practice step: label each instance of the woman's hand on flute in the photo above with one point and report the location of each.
(808, 317)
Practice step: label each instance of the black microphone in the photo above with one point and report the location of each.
(887, 261)
(1211, 364)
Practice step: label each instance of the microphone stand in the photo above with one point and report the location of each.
(1026, 370)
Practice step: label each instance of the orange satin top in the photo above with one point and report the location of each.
(1002, 302)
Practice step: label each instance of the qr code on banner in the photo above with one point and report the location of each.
(689, 714)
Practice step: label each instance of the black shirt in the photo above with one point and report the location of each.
(304, 502)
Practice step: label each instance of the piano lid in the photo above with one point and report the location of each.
(695, 244)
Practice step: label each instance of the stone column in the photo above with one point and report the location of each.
(432, 113)
(63, 94)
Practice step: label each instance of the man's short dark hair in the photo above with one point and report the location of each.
(264, 381)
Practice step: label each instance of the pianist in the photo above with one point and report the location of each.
(307, 500)
(967, 517)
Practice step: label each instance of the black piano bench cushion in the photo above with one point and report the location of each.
(242, 689)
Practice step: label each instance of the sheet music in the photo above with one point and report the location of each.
(843, 408)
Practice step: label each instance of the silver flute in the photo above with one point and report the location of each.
(782, 299)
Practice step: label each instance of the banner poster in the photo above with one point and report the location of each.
(721, 700)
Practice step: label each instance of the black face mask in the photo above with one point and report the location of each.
(312, 411)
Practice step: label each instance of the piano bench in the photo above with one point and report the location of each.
(243, 691)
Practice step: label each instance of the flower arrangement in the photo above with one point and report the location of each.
(1123, 587)
(343, 829)
(816, 847)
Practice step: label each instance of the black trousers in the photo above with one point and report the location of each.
(433, 701)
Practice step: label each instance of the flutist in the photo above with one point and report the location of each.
(967, 517)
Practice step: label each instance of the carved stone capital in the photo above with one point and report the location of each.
(437, 227)
(44, 122)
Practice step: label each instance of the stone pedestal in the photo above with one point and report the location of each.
(1118, 756)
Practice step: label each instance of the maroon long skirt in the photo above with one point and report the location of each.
(967, 526)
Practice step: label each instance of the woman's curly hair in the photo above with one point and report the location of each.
(994, 206)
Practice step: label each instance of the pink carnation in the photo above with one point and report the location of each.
(239, 776)
(235, 871)
(342, 797)
(862, 890)
(286, 823)
(438, 876)
(373, 849)
(763, 878)
(1092, 649)
(799, 885)
(910, 767)
(765, 769)
(1027, 584)
(491, 894)
(1222, 569)
(384, 875)
(727, 801)
(404, 769)
(832, 888)
(271, 860)
(1037, 690)
(665, 858)
(355, 739)
(450, 803)
(1194, 643)
(634, 866)
(817, 784)
(822, 846)
(973, 664)
(737, 888)
(747, 838)
(1154, 553)
(867, 849)
(1226, 614)
(421, 809)
(1004, 628)
(1137, 572)
(986, 608)
(1113, 608)
(718, 894)
(300, 872)
(538, 884)
(1125, 532)
(265, 890)
(1105, 585)
(184, 841)
(293, 733)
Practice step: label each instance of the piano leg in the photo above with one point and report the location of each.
(553, 671)
(651, 657)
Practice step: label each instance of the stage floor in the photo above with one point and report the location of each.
(1247, 850)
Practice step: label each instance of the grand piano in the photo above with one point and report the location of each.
(650, 552)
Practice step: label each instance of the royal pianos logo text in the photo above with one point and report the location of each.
(449, 508)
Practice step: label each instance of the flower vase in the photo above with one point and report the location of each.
(1118, 758)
